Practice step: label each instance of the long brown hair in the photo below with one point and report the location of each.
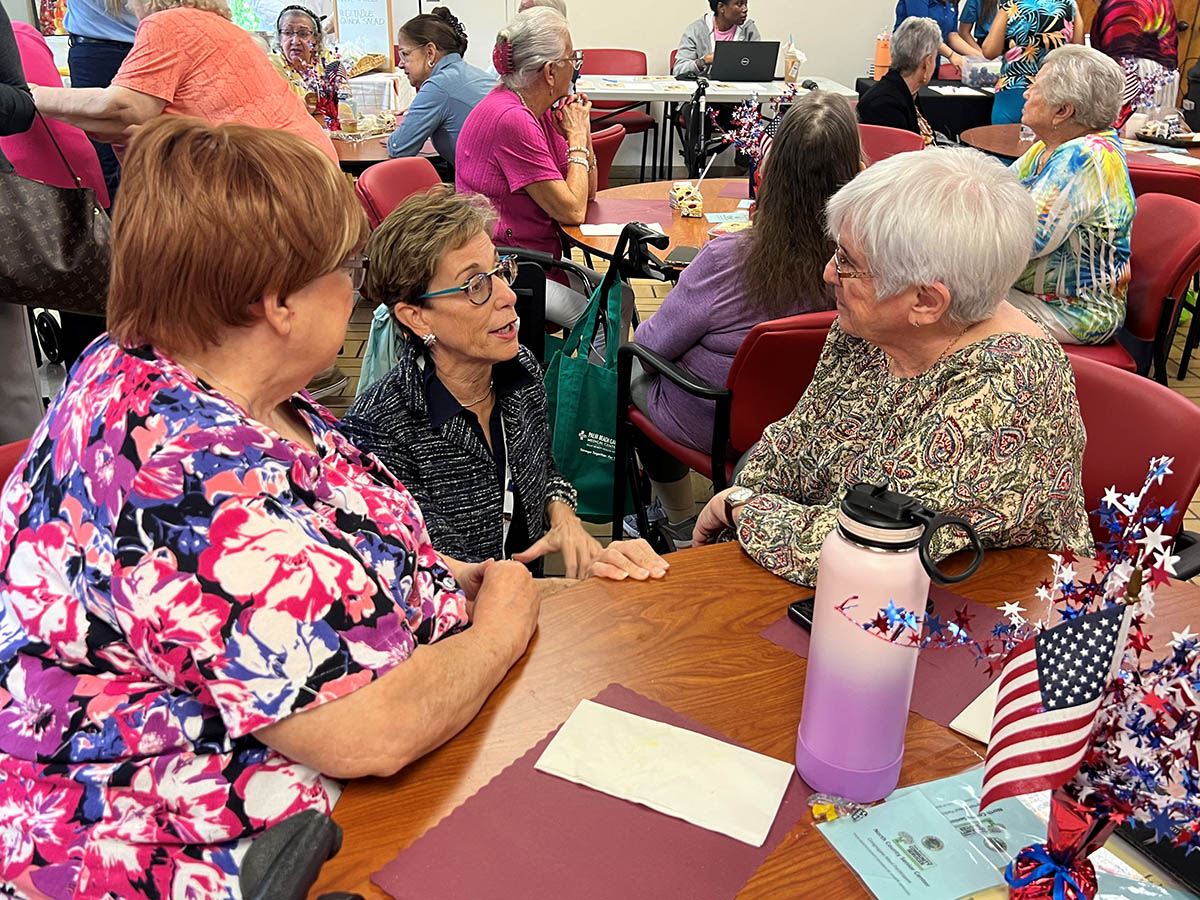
(815, 152)
(987, 12)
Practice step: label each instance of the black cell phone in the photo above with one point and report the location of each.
(681, 256)
(801, 611)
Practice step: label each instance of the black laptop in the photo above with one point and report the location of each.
(744, 61)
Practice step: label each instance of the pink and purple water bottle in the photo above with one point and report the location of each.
(858, 683)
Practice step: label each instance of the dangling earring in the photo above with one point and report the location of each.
(429, 339)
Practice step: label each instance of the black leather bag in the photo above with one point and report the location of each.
(54, 247)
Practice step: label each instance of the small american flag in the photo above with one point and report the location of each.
(1050, 690)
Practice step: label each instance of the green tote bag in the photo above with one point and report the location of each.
(583, 404)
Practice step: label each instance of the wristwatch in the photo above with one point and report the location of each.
(736, 497)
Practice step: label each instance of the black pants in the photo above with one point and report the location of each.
(696, 157)
(94, 64)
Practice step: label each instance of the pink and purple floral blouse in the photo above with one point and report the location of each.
(173, 576)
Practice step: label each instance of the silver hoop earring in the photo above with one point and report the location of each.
(429, 339)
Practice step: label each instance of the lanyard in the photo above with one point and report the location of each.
(509, 494)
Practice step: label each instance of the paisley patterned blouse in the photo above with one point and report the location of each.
(175, 576)
(991, 433)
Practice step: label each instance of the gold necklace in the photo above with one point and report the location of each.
(954, 339)
(480, 400)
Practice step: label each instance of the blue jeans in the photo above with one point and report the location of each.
(94, 64)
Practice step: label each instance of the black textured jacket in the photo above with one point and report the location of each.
(889, 102)
(449, 469)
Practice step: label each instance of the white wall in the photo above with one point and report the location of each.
(837, 36)
(19, 10)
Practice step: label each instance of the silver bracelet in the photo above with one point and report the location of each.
(580, 162)
(571, 150)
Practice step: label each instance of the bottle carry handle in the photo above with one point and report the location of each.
(935, 523)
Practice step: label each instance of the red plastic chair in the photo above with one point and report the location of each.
(772, 368)
(605, 145)
(10, 455)
(1163, 178)
(880, 141)
(608, 61)
(381, 188)
(1128, 421)
(1164, 255)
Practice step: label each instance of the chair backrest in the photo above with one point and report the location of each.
(771, 370)
(1164, 254)
(10, 455)
(381, 188)
(1155, 178)
(1130, 419)
(605, 145)
(880, 141)
(671, 65)
(612, 61)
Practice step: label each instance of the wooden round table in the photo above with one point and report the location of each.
(355, 156)
(681, 231)
(999, 140)
(1005, 140)
(690, 642)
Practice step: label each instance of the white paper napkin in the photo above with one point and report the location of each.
(954, 90)
(976, 720)
(706, 782)
(1180, 159)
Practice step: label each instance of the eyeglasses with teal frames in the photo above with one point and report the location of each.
(478, 288)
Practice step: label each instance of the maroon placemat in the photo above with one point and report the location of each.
(739, 189)
(527, 834)
(947, 680)
(604, 210)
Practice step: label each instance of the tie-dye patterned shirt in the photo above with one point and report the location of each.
(176, 576)
(1080, 261)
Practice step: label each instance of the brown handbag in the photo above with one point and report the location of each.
(54, 250)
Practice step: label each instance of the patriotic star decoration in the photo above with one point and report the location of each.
(1134, 751)
(1012, 612)
(752, 133)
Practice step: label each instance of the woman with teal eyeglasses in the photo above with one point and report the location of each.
(461, 417)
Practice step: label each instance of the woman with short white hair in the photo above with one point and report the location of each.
(527, 146)
(557, 5)
(1076, 278)
(929, 383)
(892, 101)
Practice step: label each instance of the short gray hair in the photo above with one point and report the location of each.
(915, 39)
(537, 36)
(557, 5)
(950, 215)
(1085, 78)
